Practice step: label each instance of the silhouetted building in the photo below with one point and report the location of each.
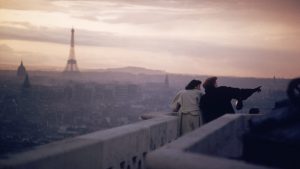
(167, 81)
(26, 83)
(71, 66)
(21, 72)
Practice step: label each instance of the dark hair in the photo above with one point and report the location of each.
(193, 84)
(210, 82)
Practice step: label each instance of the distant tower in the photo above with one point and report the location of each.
(21, 72)
(26, 83)
(167, 81)
(72, 63)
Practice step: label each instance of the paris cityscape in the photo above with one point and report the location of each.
(39, 107)
(172, 84)
(50, 106)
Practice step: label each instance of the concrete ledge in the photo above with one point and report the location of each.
(211, 146)
(121, 147)
(176, 159)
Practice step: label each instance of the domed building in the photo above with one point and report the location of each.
(21, 72)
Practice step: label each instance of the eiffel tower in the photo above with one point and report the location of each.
(71, 66)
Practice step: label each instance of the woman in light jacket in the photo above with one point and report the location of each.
(186, 103)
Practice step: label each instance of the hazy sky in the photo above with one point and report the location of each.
(257, 38)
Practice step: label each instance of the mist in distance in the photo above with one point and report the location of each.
(56, 106)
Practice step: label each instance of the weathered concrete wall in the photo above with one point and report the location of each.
(222, 137)
(123, 147)
(209, 147)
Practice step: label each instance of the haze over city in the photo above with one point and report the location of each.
(229, 37)
(135, 84)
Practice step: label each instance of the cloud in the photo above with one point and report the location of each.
(5, 48)
(8, 55)
(24, 25)
(149, 16)
(41, 34)
(87, 17)
(229, 58)
(256, 35)
(176, 46)
(28, 5)
(254, 10)
(278, 8)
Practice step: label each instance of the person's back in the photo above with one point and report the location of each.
(217, 100)
(189, 100)
(186, 103)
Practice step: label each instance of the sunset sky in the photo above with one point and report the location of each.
(255, 38)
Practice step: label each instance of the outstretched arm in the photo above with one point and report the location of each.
(245, 93)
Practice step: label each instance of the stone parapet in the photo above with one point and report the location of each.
(216, 145)
(123, 147)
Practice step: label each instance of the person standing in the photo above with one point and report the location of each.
(186, 103)
(217, 100)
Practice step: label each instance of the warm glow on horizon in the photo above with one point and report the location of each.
(229, 38)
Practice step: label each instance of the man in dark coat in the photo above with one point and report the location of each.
(217, 100)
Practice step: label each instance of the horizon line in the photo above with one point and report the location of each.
(13, 67)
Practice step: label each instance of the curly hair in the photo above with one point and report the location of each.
(210, 82)
(192, 84)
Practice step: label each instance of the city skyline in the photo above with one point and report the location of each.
(224, 38)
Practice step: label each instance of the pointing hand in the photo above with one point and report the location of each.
(258, 89)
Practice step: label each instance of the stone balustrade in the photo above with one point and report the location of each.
(216, 145)
(123, 147)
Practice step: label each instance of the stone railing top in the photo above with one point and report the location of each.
(108, 149)
(212, 146)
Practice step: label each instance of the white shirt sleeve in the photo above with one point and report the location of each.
(176, 102)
